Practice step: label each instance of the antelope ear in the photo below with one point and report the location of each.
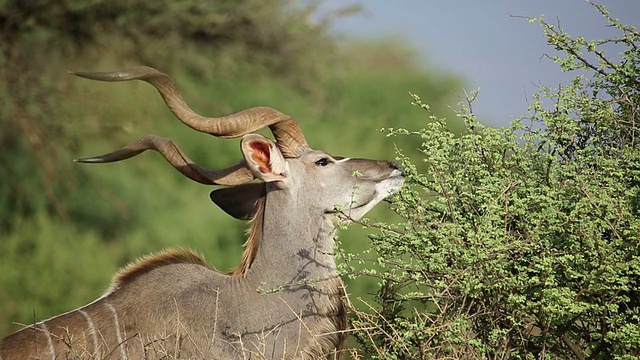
(240, 201)
(263, 158)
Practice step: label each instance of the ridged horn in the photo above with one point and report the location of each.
(285, 129)
(234, 175)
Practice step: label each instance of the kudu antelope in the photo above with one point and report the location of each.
(284, 301)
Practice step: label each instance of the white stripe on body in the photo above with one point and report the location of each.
(123, 354)
(52, 350)
(92, 331)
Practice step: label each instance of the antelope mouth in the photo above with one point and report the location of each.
(391, 185)
(383, 189)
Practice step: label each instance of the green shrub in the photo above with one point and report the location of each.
(521, 242)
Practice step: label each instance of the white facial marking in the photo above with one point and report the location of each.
(395, 173)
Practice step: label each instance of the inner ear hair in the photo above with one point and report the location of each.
(260, 155)
(263, 158)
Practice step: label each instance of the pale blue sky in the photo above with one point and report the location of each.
(485, 44)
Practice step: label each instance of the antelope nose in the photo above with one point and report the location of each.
(395, 166)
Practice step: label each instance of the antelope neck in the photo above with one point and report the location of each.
(295, 249)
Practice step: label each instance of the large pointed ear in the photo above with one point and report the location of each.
(240, 201)
(263, 158)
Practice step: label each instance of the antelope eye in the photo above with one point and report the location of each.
(323, 162)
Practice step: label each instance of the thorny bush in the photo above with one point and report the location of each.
(521, 242)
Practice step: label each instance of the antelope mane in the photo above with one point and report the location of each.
(188, 256)
(253, 240)
(154, 261)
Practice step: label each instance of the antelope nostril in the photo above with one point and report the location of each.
(394, 165)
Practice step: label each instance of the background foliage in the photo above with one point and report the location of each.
(521, 242)
(66, 228)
